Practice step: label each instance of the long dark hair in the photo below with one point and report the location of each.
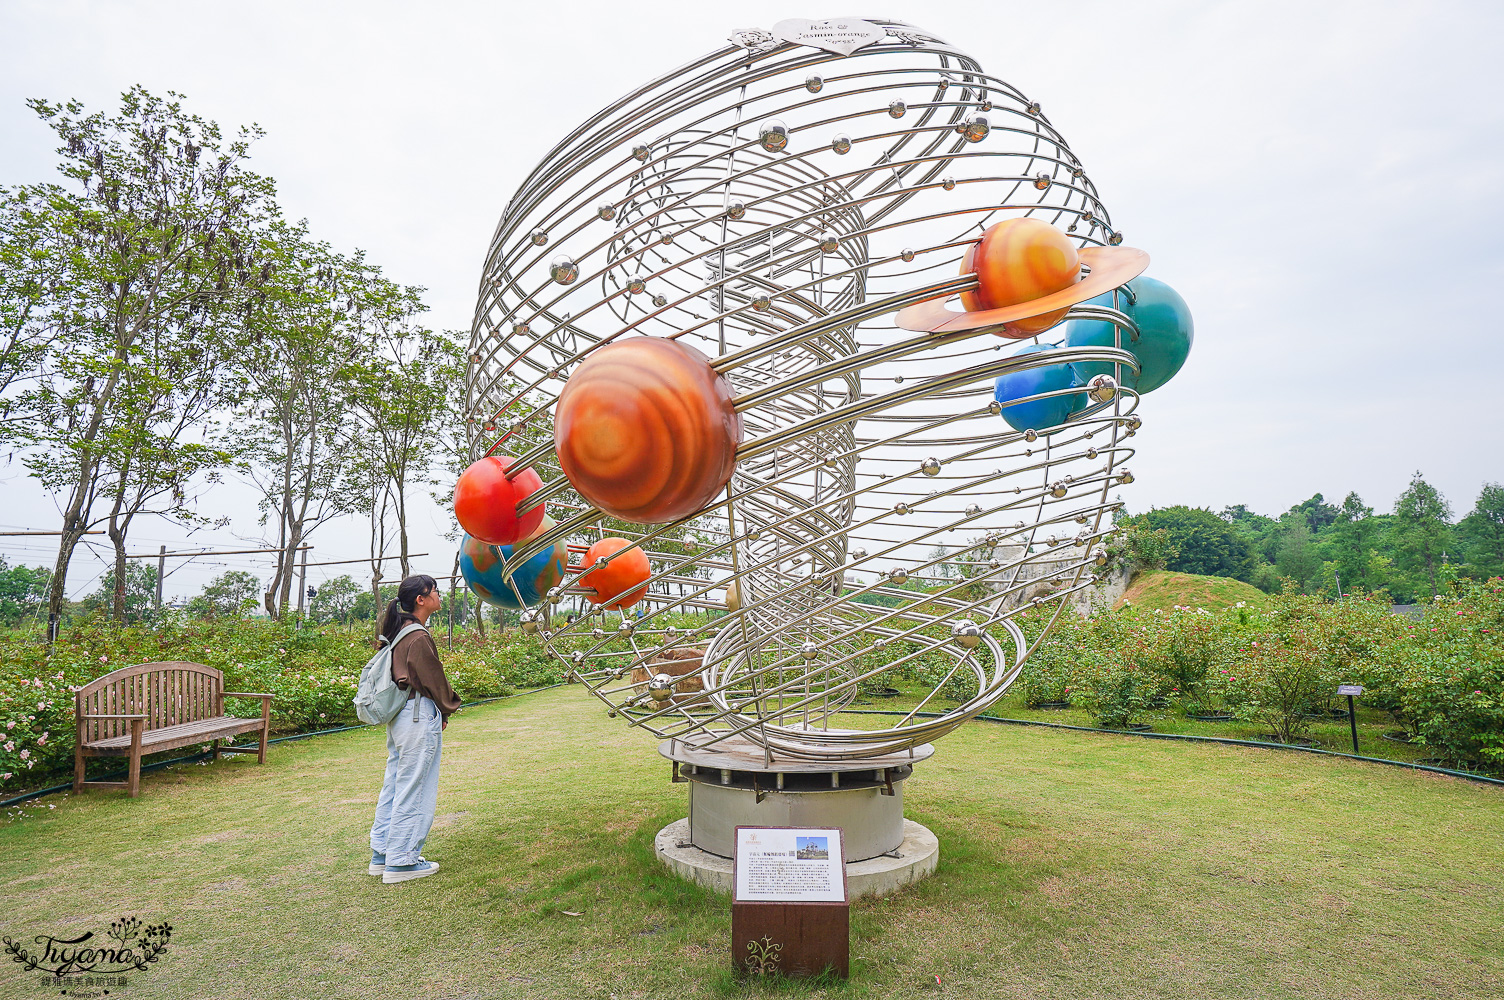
(400, 611)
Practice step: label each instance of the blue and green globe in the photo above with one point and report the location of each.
(481, 565)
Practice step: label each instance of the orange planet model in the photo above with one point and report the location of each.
(646, 431)
(620, 583)
(1016, 261)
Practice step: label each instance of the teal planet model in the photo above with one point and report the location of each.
(481, 563)
(1165, 334)
(1038, 414)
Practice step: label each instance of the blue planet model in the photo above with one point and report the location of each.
(1166, 332)
(480, 564)
(1038, 414)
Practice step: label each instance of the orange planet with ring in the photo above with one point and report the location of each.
(646, 431)
(619, 583)
(1019, 260)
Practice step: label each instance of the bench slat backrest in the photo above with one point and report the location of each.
(167, 693)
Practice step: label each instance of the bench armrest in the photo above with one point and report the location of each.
(245, 694)
(82, 717)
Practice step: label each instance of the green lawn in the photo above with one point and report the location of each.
(1072, 865)
(1164, 590)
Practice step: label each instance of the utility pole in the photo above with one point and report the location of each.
(302, 581)
(161, 571)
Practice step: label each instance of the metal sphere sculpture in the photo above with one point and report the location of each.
(715, 320)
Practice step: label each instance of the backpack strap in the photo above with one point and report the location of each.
(409, 627)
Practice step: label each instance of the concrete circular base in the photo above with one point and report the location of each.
(878, 876)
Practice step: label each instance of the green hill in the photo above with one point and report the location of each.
(1164, 589)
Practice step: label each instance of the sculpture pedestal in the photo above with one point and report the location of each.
(731, 786)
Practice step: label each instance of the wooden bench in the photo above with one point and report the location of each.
(158, 706)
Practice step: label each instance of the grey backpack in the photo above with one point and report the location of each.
(378, 699)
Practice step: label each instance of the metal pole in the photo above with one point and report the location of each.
(302, 581)
(161, 570)
(1352, 720)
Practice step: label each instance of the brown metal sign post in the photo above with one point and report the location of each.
(1351, 690)
(790, 912)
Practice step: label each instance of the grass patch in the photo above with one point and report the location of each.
(1072, 865)
(1163, 590)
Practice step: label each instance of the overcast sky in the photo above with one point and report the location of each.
(1321, 181)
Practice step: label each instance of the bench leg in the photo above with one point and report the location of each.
(133, 783)
(216, 744)
(78, 768)
(266, 724)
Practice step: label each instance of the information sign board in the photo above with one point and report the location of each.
(1350, 689)
(789, 865)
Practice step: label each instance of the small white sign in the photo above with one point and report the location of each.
(776, 865)
(841, 35)
(1352, 689)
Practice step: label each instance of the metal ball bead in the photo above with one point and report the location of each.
(761, 302)
(973, 510)
(906, 255)
(1102, 389)
(605, 211)
(1033, 108)
(538, 237)
(1031, 435)
(858, 554)
(659, 301)
(578, 656)
(661, 687)
(899, 576)
(1126, 477)
(814, 82)
(1134, 422)
(930, 467)
(636, 286)
(773, 135)
(948, 183)
(530, 621)
(900, 508)
(547, 633)
(521, 329)
(1099, 556)
(736, 210)
(1115, 239)
(985, 105)
(1042, 182)
(563, 270)
(994, 407)
(640, 152)
(829, 242)
(666, 238)
(896, 109)
(968, 634)
(555, 595)
(994, 564)
(1058, 490)
(627, 626)
(489, 425)
(879, 643)
(1091, 453)
(841, 144)
(976, 127)
(754, 535)
(809, 650)
(475, 359)
(1077, 172)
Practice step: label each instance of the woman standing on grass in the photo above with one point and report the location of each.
(414, 737)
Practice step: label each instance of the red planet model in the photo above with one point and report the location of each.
(485, 501)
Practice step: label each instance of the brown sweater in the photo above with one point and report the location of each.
(417, 670)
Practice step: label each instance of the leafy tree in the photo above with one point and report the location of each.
(1317, 513)
(22, 591)
(139, 587)
(335, 600)
(157, 242)
(1204, 542)
(1482, 533)
(33, 294)
(1352, 538)
(229, 593)
(308, 330)
(1298, 559)
(1422, 534)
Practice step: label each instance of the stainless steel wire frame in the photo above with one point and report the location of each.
(774, 207)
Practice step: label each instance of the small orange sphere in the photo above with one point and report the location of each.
(627, 574)
(646, 431)
(1018, 260)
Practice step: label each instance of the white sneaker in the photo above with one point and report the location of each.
(406, 872)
